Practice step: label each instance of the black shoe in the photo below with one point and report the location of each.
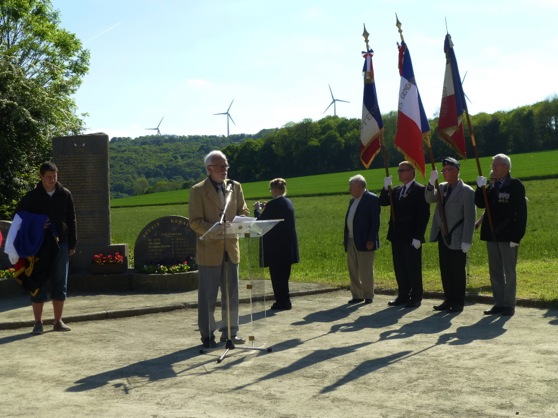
(494, 310)
(278, 307)
(209, 342)
(455, 308)
(508, 311)
(413, 304)
(367, 301)
(235, 339)
(353, 300)
(396, 302)
(441, 307)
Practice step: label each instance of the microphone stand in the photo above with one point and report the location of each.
(229, 345)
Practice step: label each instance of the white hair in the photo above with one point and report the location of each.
(358, 178)
(211, 157)
(504, 159)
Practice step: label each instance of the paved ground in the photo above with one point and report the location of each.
(328, 359)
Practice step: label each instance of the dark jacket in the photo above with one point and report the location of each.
(280, 244)
(508, 208)
(366, 222)
(59, 208)
(411, 213)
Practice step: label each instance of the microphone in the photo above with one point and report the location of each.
(229, 188)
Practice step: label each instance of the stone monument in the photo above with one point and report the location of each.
(83, 167)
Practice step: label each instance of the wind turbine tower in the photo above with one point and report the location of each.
(228, 116)
(333, 102)
(157, 128)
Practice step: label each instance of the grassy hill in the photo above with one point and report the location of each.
(321, 202)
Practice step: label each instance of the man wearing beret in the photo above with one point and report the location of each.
(508, 209)
(458, 205)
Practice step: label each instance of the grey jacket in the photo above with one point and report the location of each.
(460, 214)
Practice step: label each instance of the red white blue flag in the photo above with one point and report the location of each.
(412, 124)
(372, 125)
(450, 123)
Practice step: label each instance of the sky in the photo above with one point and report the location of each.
(185, 60)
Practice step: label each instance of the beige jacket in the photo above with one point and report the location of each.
(205, 210)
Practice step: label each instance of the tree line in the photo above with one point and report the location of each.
(167, 162)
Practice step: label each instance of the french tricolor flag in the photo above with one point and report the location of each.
(450, 123)
(412, 124)
(372, 126)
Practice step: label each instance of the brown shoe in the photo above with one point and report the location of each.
(60, 326)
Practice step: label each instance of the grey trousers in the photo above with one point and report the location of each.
(361, 271)
(502, 260)
(211, 279)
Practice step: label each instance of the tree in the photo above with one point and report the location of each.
(41, 66)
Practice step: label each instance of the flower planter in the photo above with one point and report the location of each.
(114, 268)
(178, 282)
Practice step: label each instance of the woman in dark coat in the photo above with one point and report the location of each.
(279, 247)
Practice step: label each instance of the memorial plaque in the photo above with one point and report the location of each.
(167, 240)
(4, 260)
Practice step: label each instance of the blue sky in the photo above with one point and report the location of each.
(185, 60)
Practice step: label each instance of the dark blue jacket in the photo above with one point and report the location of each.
(366, 223)
(280, 244)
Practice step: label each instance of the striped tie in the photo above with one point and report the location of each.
(221, 195)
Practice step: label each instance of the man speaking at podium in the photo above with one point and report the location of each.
(217, 259)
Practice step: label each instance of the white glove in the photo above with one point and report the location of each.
(514, 244)
(433, 177)
(14, 258)
(416, 243)
(387, 182)
(465, 247)
(481, 181)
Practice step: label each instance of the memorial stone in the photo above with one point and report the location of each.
(83, 168)
(4, 260)
(167, 240)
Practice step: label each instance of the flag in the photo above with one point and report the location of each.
(412, 124)
(450, 123)
(372, 125)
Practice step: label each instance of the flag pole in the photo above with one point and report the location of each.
(441, 208)
(485, 196)
(367, 79)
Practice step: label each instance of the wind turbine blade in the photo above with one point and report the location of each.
(160, 122)
(231, 118)
(344, 101)
(331, 92)
(332, 102)
(223, 113)
(230, 105)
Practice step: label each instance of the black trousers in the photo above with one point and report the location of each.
(407, 264)
(452, 269)
(280, 281)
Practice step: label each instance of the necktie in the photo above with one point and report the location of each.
(448, 191)
(221, 195)
(402, 194)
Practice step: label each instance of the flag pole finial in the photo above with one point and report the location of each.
(365, 35)
(398, 24)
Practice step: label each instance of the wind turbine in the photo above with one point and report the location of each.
(157, 128)
(228, 116)
(333, 100)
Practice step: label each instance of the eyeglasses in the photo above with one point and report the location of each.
(401, 170)
(224, 167)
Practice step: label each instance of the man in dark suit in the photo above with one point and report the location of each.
(362, 223)
(279, 247)
(409, 216)
(458, 206)
(508, 210)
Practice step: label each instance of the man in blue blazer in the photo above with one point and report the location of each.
(362, 223)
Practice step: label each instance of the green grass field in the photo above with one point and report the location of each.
(321, 203)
